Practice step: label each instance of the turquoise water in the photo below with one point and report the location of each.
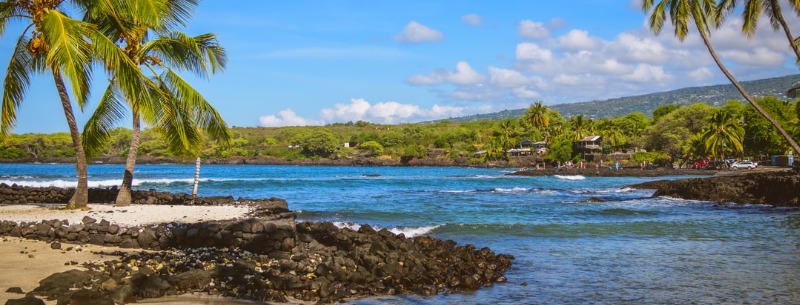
(628, 249)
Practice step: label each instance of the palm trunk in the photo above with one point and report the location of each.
(776, 10)
(196, 178)
(124, 195)
(738, 86)
(81, 197)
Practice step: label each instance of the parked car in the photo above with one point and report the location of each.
(744, 164)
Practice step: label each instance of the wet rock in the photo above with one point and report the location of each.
(55, 245)
(27, 300)
(89, 297)
(195, 279)
(60, 284)
(14, 290)
(775, 188)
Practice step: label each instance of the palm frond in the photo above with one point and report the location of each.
(15, 85)
(723, 9)
(658, 15)
(97, 130)
(69, 51)
(751, 14)
(128, 74)
(773, 9)
(202, 54)
(203, 113)
(179, 12)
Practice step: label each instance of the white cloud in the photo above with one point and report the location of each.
(415, 33)
(530, 29)
(645, 73)
(532, 51)
(354, 111)
(524, 92)
(472, 19)
(507, 78)
(630, 48)
(759, 57)
(701, 74)
(463, 75)
(360, 109)
(577, 40)
(613, 66)
(564, 79)
(578, 66)
(286, 117)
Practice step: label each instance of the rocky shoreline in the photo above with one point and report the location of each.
(608, 172)
(356, 161)
(319, 262)
(777, 188)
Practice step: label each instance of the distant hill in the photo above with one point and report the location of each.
(717, 94)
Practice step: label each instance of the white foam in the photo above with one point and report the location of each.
(511, 190)
(407, 231)
(96, 183)
(570, 177)
(414, 231)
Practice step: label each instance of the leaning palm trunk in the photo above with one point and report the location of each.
(738, 86)
(81, 197)
(776, 11)
(124, 195)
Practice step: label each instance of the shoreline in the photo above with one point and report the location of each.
(257, 255)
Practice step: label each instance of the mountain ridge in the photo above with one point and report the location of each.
(646, 103)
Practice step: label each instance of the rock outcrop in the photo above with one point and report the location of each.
(779, 188)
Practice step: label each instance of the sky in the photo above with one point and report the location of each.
(303, 62)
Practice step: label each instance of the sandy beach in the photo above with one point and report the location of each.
(25, 262)
(134, 215)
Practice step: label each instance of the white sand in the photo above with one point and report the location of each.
(133, 215)
(25, 262)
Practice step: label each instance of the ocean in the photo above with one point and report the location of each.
(577, 240)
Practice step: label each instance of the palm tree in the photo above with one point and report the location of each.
(752, 13)
(172, 105)
(507, 131)
(722, 133)
(701, 13)
(53, 42)
(536, 116)
(580, 126)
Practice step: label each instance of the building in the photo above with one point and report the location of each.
(588, 146)
(540, 147)
(516, 152)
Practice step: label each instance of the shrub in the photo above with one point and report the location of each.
(374, 148)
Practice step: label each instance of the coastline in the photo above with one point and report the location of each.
(315, 262)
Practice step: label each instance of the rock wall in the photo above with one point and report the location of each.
(271, 231)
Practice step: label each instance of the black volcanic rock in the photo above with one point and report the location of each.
(779, 188)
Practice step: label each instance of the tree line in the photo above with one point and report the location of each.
(670, 134)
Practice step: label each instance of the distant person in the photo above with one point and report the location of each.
(616, 165)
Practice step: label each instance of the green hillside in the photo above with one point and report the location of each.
(717, 94)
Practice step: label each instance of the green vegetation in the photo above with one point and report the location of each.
(733, 130)
(68, 39)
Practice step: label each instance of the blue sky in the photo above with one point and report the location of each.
(320, 62)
